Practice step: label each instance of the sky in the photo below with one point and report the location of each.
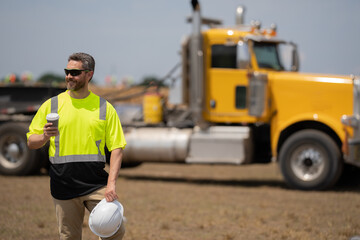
(140, 38)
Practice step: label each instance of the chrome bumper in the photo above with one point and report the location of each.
(352, 144)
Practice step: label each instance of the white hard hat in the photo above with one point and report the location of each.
(106, 218)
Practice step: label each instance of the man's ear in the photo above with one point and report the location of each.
(91, 74)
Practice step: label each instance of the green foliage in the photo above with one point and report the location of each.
(51, 78)
(152, 81)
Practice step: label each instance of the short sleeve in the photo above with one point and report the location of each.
(39, 120)
(114, 133)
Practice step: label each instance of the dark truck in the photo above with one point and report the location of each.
(18, 105)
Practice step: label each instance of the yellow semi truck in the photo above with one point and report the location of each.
(245, 102)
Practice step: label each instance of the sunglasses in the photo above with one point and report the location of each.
(74, 72)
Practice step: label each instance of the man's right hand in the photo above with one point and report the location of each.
(38, 140)
(50, 131)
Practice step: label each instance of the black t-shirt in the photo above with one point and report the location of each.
(75, 179)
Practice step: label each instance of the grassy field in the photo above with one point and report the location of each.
(197, 202)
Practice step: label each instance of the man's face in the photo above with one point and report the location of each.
(75, 83)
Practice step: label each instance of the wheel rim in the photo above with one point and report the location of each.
(308, 162)
(12, 151)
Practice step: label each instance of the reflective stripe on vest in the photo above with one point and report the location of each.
(77, 158)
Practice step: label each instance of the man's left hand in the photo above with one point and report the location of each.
(110, 193)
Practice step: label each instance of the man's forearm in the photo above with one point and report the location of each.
(115, 164)
(37, 141)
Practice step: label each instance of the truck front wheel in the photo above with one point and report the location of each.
(15, 157)
(310, 160)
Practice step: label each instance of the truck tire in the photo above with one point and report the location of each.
(15, 157)
(310, 160)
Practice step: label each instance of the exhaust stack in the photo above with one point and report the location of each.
(240, 15)
(196, 67)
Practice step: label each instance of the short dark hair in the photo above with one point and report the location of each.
(88, 62)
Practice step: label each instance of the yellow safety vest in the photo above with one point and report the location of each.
(85, 126)
(78, 158)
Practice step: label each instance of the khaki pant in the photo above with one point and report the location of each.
(70, 215)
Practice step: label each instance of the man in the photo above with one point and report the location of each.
(77, 159)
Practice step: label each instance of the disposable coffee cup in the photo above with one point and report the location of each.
(53, 118)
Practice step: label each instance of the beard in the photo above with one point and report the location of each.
(74, 85)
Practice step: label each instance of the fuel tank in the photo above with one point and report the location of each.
(216, 144)
(156, 144)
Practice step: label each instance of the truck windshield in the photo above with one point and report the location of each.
(267, 55)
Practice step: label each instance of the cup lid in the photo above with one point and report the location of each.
(52, 116)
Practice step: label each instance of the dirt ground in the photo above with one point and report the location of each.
(197, 202)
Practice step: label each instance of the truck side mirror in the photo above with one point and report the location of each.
(242, 55)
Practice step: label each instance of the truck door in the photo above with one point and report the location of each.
(227, 83)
